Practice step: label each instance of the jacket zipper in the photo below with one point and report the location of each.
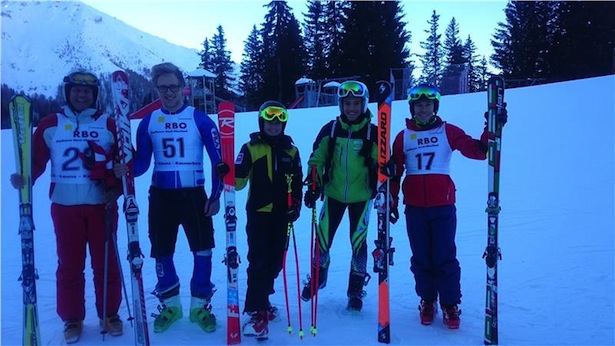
(346, 185)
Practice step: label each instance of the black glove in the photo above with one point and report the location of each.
(393, 215)
(389, 169)
(222, 169)
(310, 198)
(293, 211)
(393, 210)
(501, 117)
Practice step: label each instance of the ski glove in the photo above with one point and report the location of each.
(393, 215)
(293, 211)
(212, 207)
(17, 181)
(222, 169)
(393, 210)
(100, 164)
(501, 117)
(310, 197)
(389, 169)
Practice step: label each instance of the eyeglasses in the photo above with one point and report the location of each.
(429, 92)
(164, 88)
(273, 112)
(81, 78)
(357, 89)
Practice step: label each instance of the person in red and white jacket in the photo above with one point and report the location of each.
(423, 151)
(80, 142)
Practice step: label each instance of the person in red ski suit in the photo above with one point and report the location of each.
(80, 142)
(423, 151)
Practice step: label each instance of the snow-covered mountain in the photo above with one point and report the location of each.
(43, 40)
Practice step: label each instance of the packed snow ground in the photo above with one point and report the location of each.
(556, 282)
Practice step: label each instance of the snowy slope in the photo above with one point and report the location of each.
(556, 276)
(43, 40)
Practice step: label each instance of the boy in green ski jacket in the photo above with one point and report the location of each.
(345, 157)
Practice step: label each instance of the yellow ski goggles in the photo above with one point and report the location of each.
(273, 112)
(81, 78)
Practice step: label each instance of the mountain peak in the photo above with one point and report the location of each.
(42, 41)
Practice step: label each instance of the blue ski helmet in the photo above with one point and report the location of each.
(424, 91)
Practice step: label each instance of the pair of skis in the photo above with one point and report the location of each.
(121, 102)
(495, 102)
(20, 109)
(383, 253)
(226, 125)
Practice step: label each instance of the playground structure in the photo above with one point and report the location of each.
(321, 93)
(201, 90)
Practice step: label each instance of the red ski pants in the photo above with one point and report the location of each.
(77, 227)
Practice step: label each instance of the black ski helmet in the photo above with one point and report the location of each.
(83, 78)
(424, 91)
(264, 106)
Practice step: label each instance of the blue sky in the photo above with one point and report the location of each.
(188, 22)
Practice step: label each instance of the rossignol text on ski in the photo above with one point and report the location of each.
(495, 96)
(226, 124)
(383, 254)
(20, 109)
(121, 104)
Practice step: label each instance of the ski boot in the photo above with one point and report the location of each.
(112, 325)
(200, 313)
(427, 311)
(273, 314)
(356, 282)
(72, 331)
(170, 311)
(306, 293)
(258, 325)
(451, 316)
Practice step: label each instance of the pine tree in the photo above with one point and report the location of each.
(315, 40)
(284, 54)
(475, 83)
(454, 59)
(453, 48)
(252, 70)
(206, 55)
(335, 17)
(432, 59)
(521, 44)
(583, 40)
(222, 66)
(483, 73)
(374, 40)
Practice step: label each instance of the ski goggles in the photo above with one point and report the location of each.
(81, 78)
(273, 112)
(357, 89)
(429, 92)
